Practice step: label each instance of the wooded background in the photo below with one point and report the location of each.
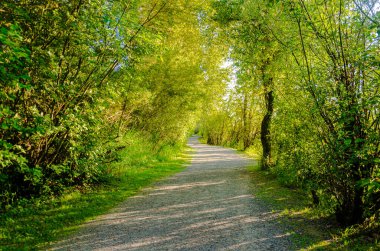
(296, 82)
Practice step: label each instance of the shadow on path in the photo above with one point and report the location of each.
(209, 206)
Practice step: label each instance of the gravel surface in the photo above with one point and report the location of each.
(209, 206)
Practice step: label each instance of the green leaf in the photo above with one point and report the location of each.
(347, 142)
(4, 126)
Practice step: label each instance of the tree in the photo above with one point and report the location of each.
(338, 42)
(77, 75)
(321, 56)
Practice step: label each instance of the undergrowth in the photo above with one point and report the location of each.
(36, 223)
(311, 228)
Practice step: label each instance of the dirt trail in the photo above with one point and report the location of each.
(209, 206)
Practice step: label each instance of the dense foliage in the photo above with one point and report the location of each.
(303, 92)
(76, 75)
(306, 90)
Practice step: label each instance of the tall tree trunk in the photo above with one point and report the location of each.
(245, 124)
(352, 210)
(265, 130)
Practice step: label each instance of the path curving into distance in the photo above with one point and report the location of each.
(208, 206)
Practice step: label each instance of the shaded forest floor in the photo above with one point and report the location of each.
(313, 229)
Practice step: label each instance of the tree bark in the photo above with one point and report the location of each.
(265, 131)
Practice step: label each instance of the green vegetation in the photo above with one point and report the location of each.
(296, 82)
(38, 222)
(304, 96)
(311, 227)
(76, 76)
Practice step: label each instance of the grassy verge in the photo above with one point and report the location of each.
(310, 228)
(38, 223)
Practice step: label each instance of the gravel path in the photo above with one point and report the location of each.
(209, 206)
